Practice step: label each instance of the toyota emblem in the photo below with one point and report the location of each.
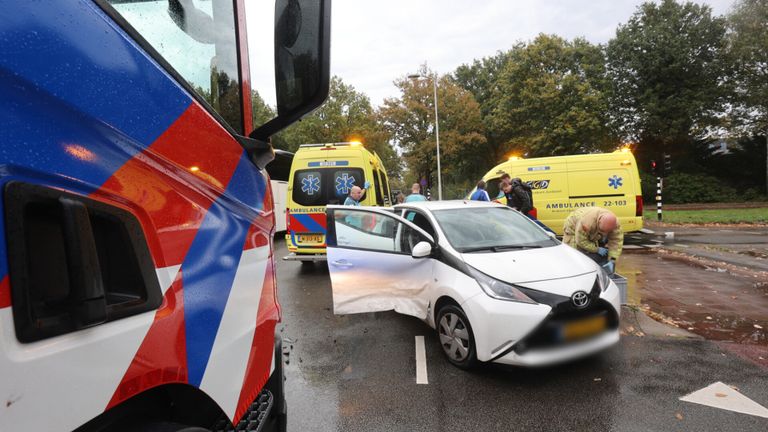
(580, 299)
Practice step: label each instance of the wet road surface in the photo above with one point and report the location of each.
(358, 373)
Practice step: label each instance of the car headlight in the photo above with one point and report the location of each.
(603, 279)
(498, 289)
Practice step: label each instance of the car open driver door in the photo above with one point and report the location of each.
(378, 261)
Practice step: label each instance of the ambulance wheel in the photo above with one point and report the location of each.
(456, 337)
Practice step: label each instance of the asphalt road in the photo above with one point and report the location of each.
(358, 373)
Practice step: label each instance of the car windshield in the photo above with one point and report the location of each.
(490, 229)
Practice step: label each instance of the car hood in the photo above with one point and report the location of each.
(528, 266)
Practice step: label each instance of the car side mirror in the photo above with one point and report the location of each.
(302, 61)
(421, 250)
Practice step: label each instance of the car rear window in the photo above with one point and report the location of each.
(317, 187)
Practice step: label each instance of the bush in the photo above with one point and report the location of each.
(682, 188)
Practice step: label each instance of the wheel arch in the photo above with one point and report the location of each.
(179, 403)
(441, 302)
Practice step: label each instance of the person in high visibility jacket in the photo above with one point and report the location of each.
(596, 232)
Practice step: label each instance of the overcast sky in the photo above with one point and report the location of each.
(373, 42)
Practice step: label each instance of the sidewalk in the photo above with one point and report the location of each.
(709, 280)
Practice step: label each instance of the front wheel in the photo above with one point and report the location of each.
(456, 338)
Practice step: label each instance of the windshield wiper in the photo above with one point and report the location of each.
(510, 247)
(478, 249)
(497, 248)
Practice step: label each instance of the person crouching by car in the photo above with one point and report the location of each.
(597, 233)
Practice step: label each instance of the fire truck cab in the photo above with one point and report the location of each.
(137, 280)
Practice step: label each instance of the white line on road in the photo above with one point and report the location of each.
(421, 361)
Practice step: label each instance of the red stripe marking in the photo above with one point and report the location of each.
(262, 347)
(5, 293)
(320, 218)
(296, 225)
(162, 356)
(166, 196)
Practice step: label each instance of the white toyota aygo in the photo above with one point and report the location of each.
(495, 286)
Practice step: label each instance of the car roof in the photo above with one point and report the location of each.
(446, 205)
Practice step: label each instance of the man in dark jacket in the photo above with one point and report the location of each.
(517, 196)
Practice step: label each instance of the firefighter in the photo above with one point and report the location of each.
(597, 233)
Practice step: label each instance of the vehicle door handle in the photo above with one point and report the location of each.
(342, 263)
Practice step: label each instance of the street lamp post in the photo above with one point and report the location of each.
(437, 135)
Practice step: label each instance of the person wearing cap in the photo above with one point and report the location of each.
(597, 233)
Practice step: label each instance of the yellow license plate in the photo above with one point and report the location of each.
(311, 238)
(584, 328)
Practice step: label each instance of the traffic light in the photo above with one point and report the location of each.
(653, 167)
(667, 164)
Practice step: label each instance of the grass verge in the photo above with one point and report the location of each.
(723, 216)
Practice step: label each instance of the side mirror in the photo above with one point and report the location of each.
(302, 61)
(551, 234)
(421, 250)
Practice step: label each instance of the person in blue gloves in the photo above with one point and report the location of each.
(597, 233)
(356, 194)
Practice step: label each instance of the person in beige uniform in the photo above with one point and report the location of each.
(596, 232)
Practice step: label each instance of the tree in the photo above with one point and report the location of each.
(549, 99)
(261, 111)
(481, 78)
(748, 37)
(670, 80)
(410, 121)
(346, 115)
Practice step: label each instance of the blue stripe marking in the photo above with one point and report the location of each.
(309, 223)
(78, 98)
(211, 263)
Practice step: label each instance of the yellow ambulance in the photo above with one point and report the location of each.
(323, 174)
(562, 184)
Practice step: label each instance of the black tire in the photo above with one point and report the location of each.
(307, 264)
(451, 339)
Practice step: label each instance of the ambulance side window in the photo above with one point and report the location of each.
(377, 187)
(493, 188)
(385, 188)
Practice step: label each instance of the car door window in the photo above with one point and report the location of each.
(420, 221)
(356, 229)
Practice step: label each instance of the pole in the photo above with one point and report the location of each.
(659, 183)
(437, 140)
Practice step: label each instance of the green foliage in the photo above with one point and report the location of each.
(346, 115)
(748, 37)
(723, 216)
(550, 99)
(410, 121)
(668, 74)
(682, 188)
(262, 112)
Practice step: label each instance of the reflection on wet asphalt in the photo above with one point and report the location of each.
(357, 373)
(707, 301)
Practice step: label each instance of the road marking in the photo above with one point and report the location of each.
(421, 361)
(719, 395)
